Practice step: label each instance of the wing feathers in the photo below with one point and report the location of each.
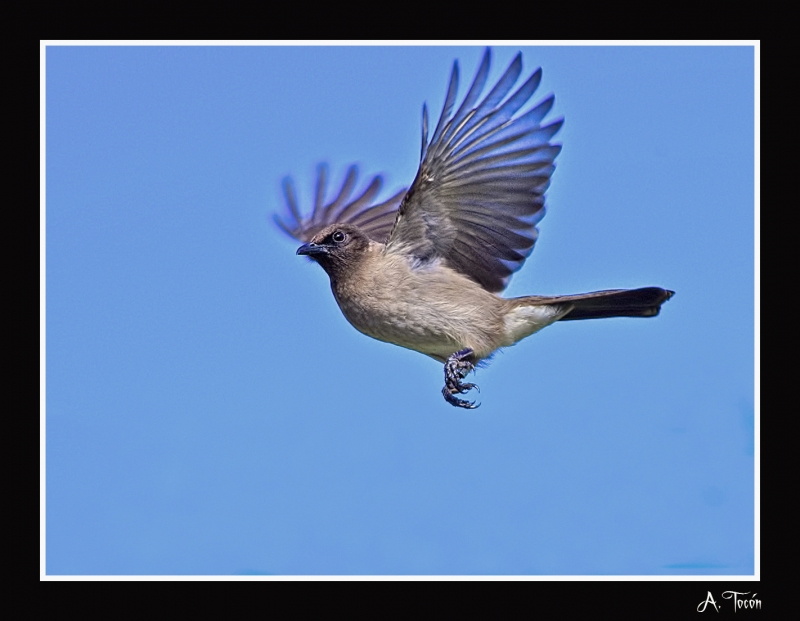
(448, 103)
(344, 193)
(479, 191)
(478, 115)
(376, 220)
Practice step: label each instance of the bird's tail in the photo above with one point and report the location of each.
(644, 302)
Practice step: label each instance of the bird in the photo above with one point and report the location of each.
(424, 268)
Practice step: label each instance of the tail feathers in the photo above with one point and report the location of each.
(644, 302)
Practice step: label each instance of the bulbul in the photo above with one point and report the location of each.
(423, 269)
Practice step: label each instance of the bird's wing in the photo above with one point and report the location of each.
(375, 219)
(479, 190)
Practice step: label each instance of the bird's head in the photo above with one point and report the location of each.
(337, 248)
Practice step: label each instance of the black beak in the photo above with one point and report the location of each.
(312, 249)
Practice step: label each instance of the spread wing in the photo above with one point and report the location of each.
(375, 219)
(479, 190)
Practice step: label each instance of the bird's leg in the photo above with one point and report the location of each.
(456, 368)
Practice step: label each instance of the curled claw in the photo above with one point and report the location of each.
(467, 387)
(459, 403)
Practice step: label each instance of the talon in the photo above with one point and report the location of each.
(456, 368)
(459, 403)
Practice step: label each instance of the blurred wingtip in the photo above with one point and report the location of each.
(282, 226)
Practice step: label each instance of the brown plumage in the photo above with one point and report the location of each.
(422, 269)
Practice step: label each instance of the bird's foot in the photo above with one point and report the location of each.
(456, 368)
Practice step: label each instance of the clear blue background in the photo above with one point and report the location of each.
(210, 411)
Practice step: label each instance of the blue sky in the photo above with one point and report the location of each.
(210, 411)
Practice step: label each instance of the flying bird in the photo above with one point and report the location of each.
(423, 269)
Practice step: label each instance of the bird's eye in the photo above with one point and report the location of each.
(338, 237)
